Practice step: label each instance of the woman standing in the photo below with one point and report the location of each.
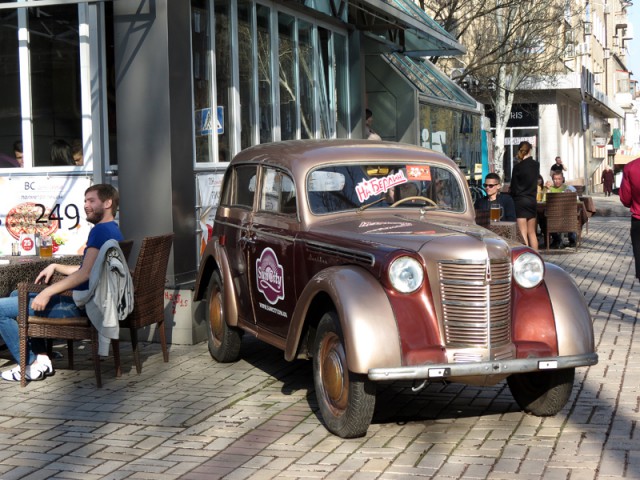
(607, 181)
(524, 186)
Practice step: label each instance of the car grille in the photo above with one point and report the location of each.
(476, 303)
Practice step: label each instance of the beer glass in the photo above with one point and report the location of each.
(495, 213)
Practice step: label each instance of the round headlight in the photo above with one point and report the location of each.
(406, 274)
(528, 270)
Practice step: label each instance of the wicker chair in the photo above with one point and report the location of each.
(482, 218)
(562, 216)
(75, 328)
(149, 278)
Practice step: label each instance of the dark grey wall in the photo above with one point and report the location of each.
(154, 126)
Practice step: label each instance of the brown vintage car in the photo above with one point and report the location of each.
(365, 257)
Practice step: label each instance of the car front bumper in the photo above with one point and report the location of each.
(503, 367)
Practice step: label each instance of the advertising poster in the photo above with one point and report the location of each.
(49, 206)
(209, 186)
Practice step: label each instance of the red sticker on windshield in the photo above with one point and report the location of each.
(419, 172)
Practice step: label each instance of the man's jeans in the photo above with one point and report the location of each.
(58, 307)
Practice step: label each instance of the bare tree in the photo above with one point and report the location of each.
(510, 44)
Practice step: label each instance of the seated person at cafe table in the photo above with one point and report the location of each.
(492, 186)
(100, 206)
(558, 186)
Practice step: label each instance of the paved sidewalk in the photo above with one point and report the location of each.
(195, 419)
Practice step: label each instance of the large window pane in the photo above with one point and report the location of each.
(286, 50)
(202, 77)
(265, 105)
(306, 74)
(245, 66)
(341, 87)
(326, 73)
(55, 83)
(223, 75)
(10, 125)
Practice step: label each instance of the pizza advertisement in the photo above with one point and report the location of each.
(47, 206)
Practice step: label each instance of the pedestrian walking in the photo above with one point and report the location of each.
(607, 181)
(630, 197)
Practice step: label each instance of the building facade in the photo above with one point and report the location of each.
(161, 95)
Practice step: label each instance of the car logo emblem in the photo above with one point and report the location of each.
(269, 276)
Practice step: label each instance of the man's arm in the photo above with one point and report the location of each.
(76, 278)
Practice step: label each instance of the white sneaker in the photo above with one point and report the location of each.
(35, 372)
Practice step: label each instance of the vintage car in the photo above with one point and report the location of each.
(365, 257)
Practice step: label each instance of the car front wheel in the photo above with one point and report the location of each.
(542, 393)
(346, 399)
(224, 340)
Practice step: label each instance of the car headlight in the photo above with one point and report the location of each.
(528, 270)
(406, 274)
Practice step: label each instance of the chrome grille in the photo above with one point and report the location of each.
(476, 303)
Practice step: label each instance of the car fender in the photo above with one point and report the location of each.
(215, 258)
(368, 324)
(574, 325)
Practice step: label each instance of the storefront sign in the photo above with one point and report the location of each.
(51, 206)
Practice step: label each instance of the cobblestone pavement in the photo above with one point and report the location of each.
(195, 419)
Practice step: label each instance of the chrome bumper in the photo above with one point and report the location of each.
(447, 370)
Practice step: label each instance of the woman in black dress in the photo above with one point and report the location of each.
(523, 188)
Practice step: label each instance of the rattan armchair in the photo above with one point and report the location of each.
(149, 277)
(74, 328)
(482, 218)
(562, 216)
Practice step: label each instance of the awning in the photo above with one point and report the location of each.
(620, 159)
(433, 84)
(404, 23)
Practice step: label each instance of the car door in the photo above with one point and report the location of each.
(271, 256)
(232, 224)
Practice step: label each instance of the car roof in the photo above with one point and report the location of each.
(299, 156)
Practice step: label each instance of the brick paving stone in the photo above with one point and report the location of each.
(257, 418)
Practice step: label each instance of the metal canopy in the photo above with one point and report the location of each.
(432, 83)
(405, 24)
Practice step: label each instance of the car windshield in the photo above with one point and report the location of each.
(337, 188)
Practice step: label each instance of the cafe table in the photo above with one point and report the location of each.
(16, 269)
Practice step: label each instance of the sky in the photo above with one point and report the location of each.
(633, 58)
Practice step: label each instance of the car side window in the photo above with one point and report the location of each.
(240, 186)
(278, 193)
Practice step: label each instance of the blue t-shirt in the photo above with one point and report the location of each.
(98, 236)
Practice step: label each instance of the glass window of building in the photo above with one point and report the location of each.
(246, 73)
(265, 92)
(10, 118)
(202, 79)
(288, 88)
(307, 75)
(223, 76)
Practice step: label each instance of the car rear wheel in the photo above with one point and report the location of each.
(224, 340)
(346, 399)
(542, 393)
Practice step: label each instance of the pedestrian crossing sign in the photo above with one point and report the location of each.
(204, 121)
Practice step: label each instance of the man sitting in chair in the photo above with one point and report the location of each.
(558, 186)
(492, 185)
(100, 206)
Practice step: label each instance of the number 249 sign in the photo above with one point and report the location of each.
(47, 206)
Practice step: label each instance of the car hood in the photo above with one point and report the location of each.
(413, 233)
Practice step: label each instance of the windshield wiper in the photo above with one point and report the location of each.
(364, 207)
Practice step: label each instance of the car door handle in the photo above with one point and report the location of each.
(247, 240)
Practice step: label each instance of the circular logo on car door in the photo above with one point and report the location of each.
(269, 278)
